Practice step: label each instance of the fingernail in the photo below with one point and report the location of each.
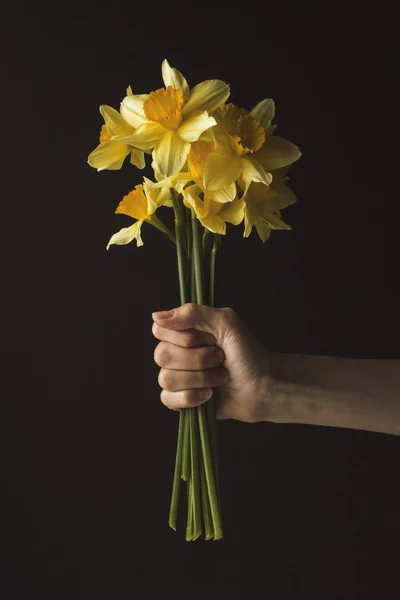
(163, 314)
(205, 394)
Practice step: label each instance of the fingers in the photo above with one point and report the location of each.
(215, 321)
(171, 356)
(188, 338)
(185, 398)
(175, 381)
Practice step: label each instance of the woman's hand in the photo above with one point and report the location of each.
(203, 347)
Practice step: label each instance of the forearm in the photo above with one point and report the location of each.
(338, 392)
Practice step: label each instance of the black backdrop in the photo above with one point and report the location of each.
(309, 512)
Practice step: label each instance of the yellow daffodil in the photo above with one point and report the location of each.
(263, 204)
(195, 162)
(170, 119)
(245, 146)
(110, 154)
(141, 204)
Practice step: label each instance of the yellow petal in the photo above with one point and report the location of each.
(233, 212)
(221, 170)
(250, 217)
(264, 112)
(263, 230)
(285, 197)
(214, 223)
(253, 171)
(195, 125)
(108, 155)
(192, 200)
(146, 136)
(273, 220)
(207, 95)
(170, 154)
(115, 123)
(225, 194)
(177, 181)
(137, 158)
(126, 235)
(132, 109)
(277, 152)
(174, 78)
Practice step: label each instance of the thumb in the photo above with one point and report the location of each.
(217, 321)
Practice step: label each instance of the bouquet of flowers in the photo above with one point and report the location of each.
(214, 163)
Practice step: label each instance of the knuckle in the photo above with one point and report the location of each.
(229, 314)
(161, 354)
(190, 311)
(163, 379)
(190, 339)
(165, 399)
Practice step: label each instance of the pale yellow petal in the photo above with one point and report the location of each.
(146, 136)
(174, 78)
(207, 95)
(264, 112)
(233, 212)
(263, 230)
(214, 223)
(273, 220)
(192, 200)
(277, 152)
(126, 235)
(285, 198)
(114, 121)
(170, 154)
(176, 181)
(192, 128)
(137, 158)
(250, 217)
(253, 171)
(108, 155)
(132, 109)
(225, 194)
(221, 170)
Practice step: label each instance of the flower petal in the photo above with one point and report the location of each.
(192, 128)
(253, 171)
(171, 154)
(273, 220)
(263, 230)
(174, 78)
(233, 212)
(192, 200)
(285, 197)
(177, 181)
(207, 95)
(146, 136)
(220, 170)
(214, 223)
(132, 109)
(225, 194)
(137, 158)
(108, 155)
(126, 235)
(277, 152)
(114, 121)
(264, 112)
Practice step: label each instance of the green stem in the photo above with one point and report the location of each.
(201, 410)
(195, 475)
(208, 525)
(185, 445)
(176, 486)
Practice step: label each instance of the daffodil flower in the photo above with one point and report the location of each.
(141, 204)
(195, 163)
(110, 154)
(170, 119)
(245, 146)
(263, 205)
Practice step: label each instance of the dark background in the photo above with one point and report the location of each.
(309, 512)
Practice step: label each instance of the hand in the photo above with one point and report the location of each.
(199, 348)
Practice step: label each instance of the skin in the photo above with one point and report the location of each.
(202, 348)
